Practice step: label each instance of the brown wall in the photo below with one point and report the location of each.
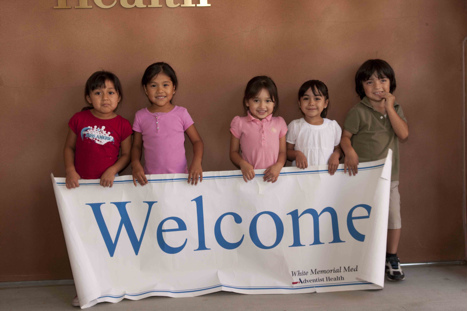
(47, 54)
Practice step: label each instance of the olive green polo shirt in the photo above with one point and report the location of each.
(373, 134)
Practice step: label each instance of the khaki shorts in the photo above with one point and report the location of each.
(394, 217)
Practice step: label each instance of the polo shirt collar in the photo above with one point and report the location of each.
(252, 118)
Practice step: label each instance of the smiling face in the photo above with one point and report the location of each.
(312, 106)
(261, 105)
(375, 86)
(104, 100)
(160, 91)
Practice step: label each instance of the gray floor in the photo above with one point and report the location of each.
(426, 288)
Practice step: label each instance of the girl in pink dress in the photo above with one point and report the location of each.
(160, 129)
(258, 140)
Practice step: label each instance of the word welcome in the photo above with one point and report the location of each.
(180, 225)
(84, 4)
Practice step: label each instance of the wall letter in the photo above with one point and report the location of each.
(219, 236)
(352, 230)
(136, 3)
(200, 224)
(62, 4)
(254, 234)
(188, 3)
(103, 6)
(170, 3)
(315, 216)
(204, 3)
(124, 221)
(155, 4)
(162, 244)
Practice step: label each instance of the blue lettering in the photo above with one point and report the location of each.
(200, 224)
(315, 216)
(219, 236)
(254, 234)
(162, 244)
(352, 230)
(124, 221)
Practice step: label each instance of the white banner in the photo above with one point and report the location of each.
(308, 232)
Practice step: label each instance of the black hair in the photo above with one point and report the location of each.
(98, 80)
(255, 85)
(371, 66)
(157, 68)
(318, 89)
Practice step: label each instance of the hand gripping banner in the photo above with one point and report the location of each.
(308, 232)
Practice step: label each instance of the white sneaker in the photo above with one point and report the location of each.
(76, 301)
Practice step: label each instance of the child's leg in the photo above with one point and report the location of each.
(393, 269)
(393, 239)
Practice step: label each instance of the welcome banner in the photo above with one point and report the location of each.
(308, 232)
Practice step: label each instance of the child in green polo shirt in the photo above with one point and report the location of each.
(373, 126)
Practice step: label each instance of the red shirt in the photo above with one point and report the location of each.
(97, 142)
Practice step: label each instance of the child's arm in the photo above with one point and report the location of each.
(271, 174)
(296, 155)
(195, 170)
(334, 160)
(351, 158)
(71, 176)
(138, 172)
(400, 127)
(246, 168)
(107, 178)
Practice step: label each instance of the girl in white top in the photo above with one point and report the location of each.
(314, 140)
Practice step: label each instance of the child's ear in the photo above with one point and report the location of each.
(88, 99)
(326, 104)
(146, 92)
(246, 103)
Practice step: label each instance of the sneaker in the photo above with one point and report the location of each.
(393, 270)
(76, 302)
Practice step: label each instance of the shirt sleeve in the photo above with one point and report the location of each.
(126, 129)
(136, 123)
(291, 136)
(399, 111)
(73, 124)
(283, 127)
(236, 127)
(337, 133)
(352, 121)
(186, 119)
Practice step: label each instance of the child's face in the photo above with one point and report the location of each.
(261, 106)
(312, 105)
(375, 87)
(104, 100)
(160, 91)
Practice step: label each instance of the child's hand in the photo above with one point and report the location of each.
(272, 173)
(107, 178)
(138, 173)
(351, 163)
(71, 179)
(388, 100)
(247, 171)
(301, 160)
(333, 163)
(195, 173)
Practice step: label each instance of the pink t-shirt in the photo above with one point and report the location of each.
(259, 139)
(97, 142)
(163, 136)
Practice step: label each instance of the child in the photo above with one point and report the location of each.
(97, 134)
(160, 130)
(371, 128)
(314, 139)
(258, 140)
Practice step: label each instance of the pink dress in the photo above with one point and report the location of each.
(163, 136)
(259, 139)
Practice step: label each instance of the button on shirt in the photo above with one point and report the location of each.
(259, 139)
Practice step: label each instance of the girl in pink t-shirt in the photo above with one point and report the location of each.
(97, 134)
(258, 140)
(160, 129)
